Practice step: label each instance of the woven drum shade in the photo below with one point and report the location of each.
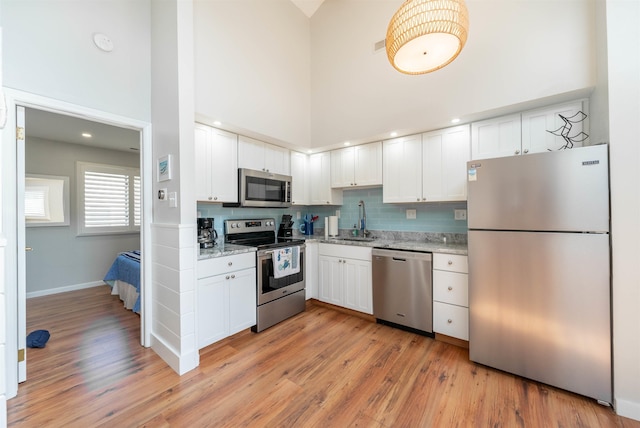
(426, 35)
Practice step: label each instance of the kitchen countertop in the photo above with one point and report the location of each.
(393, 244)
(221, 249)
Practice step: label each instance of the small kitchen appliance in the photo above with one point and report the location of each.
(206, 233)
(285, 230)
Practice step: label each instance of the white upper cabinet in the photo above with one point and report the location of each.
(321, 192)
(216, 164)
(429, 167)
(444, 164)
(300, 179)
(357, 166)
(497, 137)
(257, 155)
(402, 169)
(543, 129)
(531, 131)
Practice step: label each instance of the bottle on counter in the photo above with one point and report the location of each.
(354, 232)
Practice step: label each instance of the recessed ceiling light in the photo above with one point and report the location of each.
(394, 134)
(455, 120)
(86, 135)
(217, 123)
(346, 143)
(309, 151)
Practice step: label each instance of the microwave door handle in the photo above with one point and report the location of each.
(287, 194)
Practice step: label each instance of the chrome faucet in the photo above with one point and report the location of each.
(363, 219)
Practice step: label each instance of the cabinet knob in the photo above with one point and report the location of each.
(449, 321)
(229, 264)
(418, 200)
(215, 198)
(450, 288)
(328, 202)
(517, 152)
(450, 262)
(233, 276)
(526, 150)
(226, 277)
(210, 198)
(424, 199)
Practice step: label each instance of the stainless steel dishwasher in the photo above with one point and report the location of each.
(402, 289)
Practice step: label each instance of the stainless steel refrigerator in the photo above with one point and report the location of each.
(539, 268)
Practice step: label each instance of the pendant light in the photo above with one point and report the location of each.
(426, 35)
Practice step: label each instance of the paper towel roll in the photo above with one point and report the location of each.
(326, 228)
(333, 225)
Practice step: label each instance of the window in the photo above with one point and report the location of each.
(46, 200)
(108, 199)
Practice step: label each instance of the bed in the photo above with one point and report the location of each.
(124, 279)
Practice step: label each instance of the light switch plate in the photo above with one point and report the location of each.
(173, 199)
(411, 214)
(460, 214)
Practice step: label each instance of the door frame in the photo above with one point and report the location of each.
(16, 298)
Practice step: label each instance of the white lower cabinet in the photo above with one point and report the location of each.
(450, 295)
(226, 296)
(345, 277)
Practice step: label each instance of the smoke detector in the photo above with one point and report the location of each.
(103, 42)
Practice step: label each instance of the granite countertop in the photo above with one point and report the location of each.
(221, 249)
(427, 246)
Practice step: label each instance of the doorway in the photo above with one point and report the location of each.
(16, 338)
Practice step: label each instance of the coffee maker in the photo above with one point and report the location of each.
(285, 230)
(206, 233)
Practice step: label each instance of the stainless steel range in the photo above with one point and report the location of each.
(280, 292)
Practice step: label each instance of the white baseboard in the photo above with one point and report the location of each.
(64, 289)
(179, 364)
(628, 409)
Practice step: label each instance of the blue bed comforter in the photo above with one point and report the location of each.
(126, 268)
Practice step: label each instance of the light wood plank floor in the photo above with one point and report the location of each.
(322, 368)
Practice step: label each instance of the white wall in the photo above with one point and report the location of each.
(517, 51)
(174, 234)
(623, 32)
(61, 259)
(49, 50)
(253, 68)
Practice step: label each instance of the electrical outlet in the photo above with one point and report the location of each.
(338, 213)
(297, 215)
(411, 214)
(460, 214)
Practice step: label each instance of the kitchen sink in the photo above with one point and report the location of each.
(357, 239)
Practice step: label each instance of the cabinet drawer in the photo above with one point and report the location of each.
(346, 251)
(451, 320)
(451, 287)
(219, 265)
(450, 262)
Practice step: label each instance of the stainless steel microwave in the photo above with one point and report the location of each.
(263, 189)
